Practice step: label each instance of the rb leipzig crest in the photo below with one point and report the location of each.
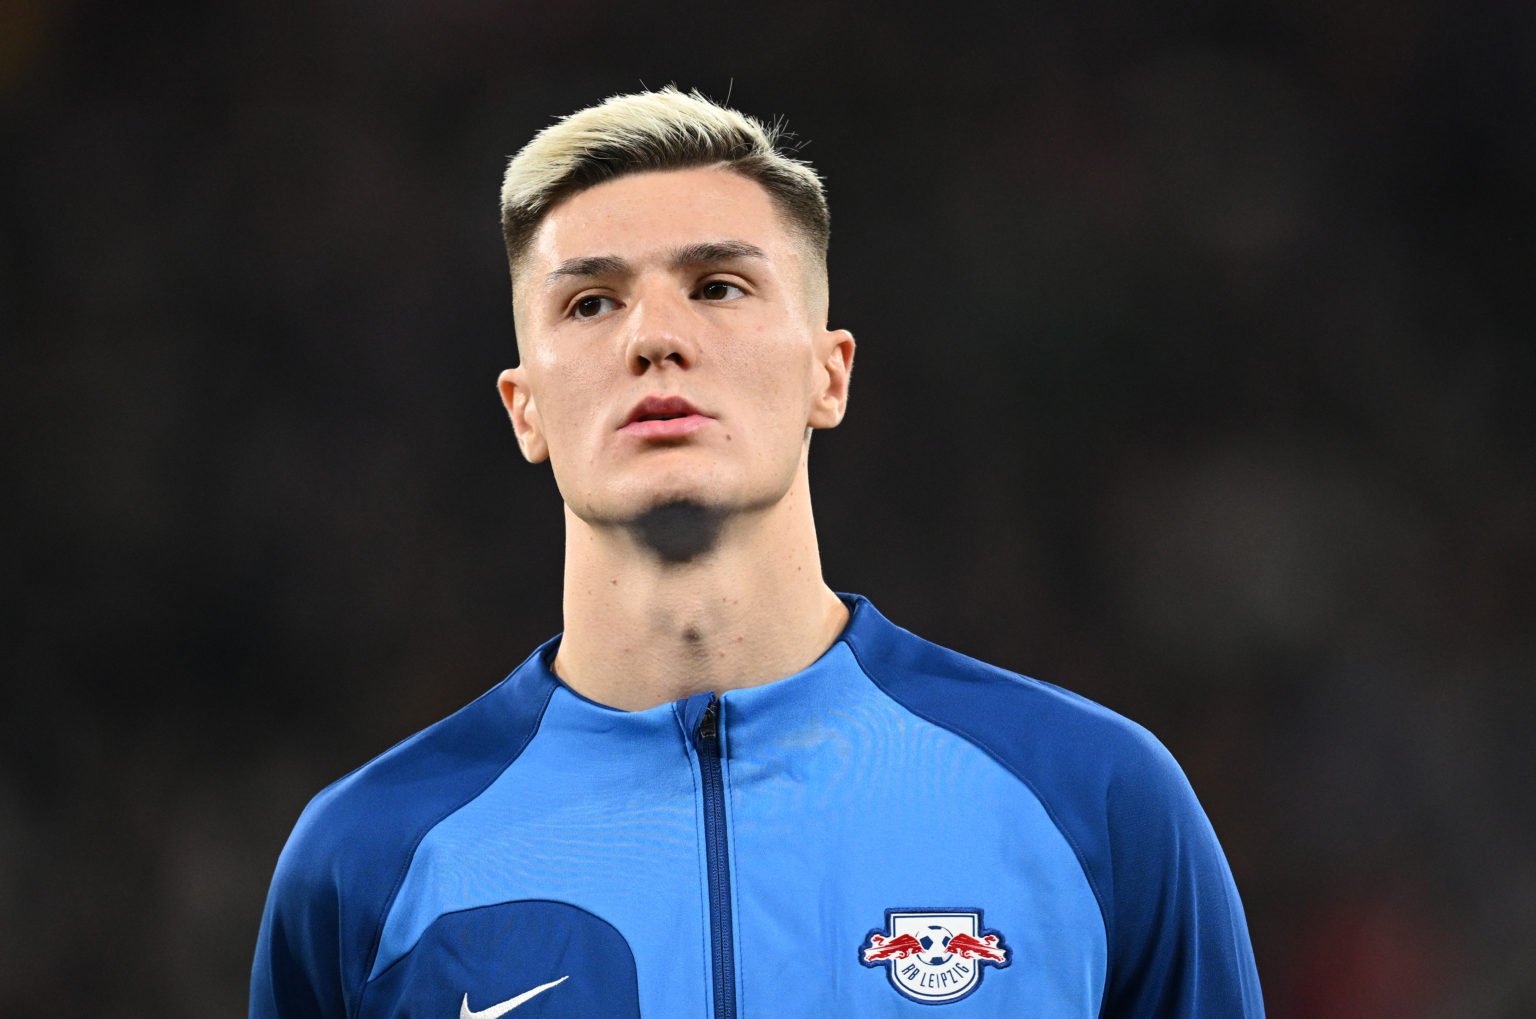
(934, 955)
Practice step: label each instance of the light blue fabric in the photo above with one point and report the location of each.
(890, 779)
(602, 812)
(845, 804)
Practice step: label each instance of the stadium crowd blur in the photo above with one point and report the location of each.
(1196, 374)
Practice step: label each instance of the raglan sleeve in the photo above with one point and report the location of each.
(297, 972)
(1178, 939)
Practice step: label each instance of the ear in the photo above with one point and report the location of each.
(830, 401)
(518, 399)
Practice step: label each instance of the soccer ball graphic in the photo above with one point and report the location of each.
(935, 942)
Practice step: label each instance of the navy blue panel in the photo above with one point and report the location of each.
(1178, 941)
(484, 957)
(350, 849)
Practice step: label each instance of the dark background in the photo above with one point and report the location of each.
(1196, 374)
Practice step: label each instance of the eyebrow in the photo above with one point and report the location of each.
(715, 251)
(688, 255)
(591, 265)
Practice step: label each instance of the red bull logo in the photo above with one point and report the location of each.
(882, 947)
(934, 955)
(967, 947)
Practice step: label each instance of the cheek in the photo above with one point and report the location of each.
(570, 403)
(781, 377)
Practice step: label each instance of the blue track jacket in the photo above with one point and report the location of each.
(895, 830)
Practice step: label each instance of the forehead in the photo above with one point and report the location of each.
(645, 214)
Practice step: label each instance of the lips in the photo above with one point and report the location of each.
(664, 417)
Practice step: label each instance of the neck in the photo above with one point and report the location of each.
(689, 601)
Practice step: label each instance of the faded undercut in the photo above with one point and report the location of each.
(662, 130)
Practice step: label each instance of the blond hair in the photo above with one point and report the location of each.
(662, 130)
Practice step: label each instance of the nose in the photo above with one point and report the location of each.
(661, 332)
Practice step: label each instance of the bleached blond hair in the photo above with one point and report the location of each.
(661, 130)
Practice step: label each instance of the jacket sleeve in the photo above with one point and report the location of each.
(1178, 939)
(297, 970)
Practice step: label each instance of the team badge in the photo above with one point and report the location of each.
(934, 955)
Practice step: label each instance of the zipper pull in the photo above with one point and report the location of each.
(709, 727)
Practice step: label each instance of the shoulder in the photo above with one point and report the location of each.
(1177, 938)
(349, 850)
(426, 775)
(1106, 782)
(1055, 739)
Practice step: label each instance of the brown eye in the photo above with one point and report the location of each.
(591, 306)
(719, 290)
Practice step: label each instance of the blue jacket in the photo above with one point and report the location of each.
(894, 828)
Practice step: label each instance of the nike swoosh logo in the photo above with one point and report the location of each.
(509, 1004)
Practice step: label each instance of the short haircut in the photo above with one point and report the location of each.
(662, 130)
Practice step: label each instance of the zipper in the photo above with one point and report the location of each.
(722, 948)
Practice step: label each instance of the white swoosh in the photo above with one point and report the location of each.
(508, 1005)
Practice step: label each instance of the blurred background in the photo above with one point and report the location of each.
(1196, 373)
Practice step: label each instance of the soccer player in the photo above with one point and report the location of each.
(725, 790)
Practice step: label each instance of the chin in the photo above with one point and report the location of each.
(705, 489)
(634, 507)
(634, 497)
(699, 500)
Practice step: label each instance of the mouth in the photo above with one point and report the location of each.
(664, 417)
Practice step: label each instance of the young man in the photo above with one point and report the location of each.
(726, 790)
